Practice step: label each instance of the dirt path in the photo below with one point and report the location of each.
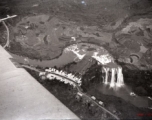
(8, 41)
(7, 29)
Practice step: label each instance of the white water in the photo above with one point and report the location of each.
(106, 77)
(114, 81)
(120, 79)
(80, 51)
(104, 58)
(116, 88)
(124, 93)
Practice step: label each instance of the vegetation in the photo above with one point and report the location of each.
(101, 15)
(120, 107)
(139, 80)
(67, 95)
(2, 35)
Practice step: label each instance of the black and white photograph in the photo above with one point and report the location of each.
(75, 59)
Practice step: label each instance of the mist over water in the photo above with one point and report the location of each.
(124, 93)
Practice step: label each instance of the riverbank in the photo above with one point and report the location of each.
(138, 80)
(44, 28)
(115, 99)
(66, 94)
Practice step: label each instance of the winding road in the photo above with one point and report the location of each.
(7, 29)
(78, 89)
(7, 43)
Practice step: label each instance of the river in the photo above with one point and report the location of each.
(64, 59)
(68, 57)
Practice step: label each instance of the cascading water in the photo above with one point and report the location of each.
(115, 81)
(107, 74)
(120, 80)
(103, 57)
(112, 83)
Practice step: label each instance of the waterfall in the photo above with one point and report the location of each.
(107, 74)
(112, 83)
(110, 68)
(115, 81)
(120, 80)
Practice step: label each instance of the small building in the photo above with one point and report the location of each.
(80, 94)
(132, 94)
(101, 103)
(93, 98)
